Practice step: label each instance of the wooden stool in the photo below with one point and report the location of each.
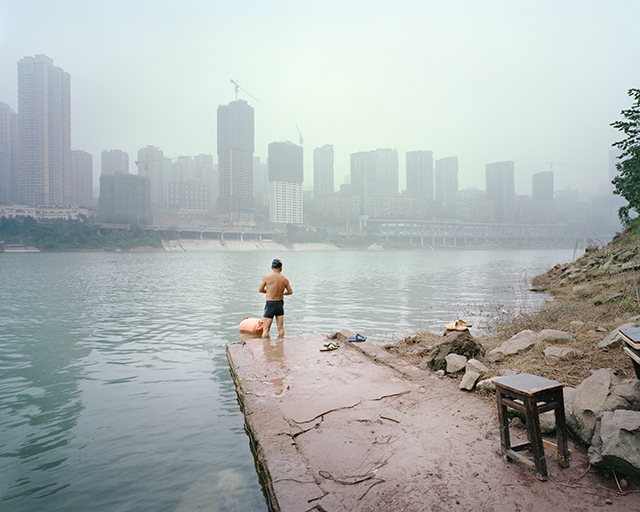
(532, 395)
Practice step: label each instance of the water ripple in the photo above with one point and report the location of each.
(115, 393)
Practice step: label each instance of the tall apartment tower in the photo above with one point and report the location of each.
(261, 186)
(151, 161)
(114, 161)
(8, 154)
(375, 173)
(44, 132)
(323, 171)
(286, 174)
(501, 190)
(81, 178)
(542, 186)
(420, 174)
(236, 203)
(446, 186)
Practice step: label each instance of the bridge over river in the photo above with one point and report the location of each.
(418, 233)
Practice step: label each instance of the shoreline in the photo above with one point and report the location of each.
(190, 245)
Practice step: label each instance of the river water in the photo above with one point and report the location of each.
(115, 393)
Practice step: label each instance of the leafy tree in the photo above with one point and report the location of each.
(627, 182)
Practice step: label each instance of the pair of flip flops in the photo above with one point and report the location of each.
(330, 345)
(357, 337)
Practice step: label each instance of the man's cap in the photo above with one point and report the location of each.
(276, 263)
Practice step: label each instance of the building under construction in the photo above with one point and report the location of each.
(236, 203)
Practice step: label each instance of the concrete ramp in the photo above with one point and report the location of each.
(357, 429)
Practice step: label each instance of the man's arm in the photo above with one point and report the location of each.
(287, 288)
(263, 285)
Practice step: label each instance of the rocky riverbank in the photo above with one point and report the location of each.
(573, 339)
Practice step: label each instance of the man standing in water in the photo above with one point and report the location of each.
(276, 286)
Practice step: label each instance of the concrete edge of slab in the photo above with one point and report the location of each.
(273, 458)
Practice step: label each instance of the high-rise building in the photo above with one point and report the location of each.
(420, 174)
(156, 169)
(261, 187)
(323, 171)
(375, 173)
(122, 198)
(115, 161)
(501, 190)
(81, 178)
(286, 174)
(8, 154)
(542, 186)
(236, 203)
(44, 132)
(207, 172)
(446, 186)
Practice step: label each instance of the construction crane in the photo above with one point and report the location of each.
(238, 88)
(550, 164)
(299, 133)
(146, 162)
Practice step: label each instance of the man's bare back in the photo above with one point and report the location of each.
(275, 286)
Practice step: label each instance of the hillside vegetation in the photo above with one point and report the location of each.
(74, 235)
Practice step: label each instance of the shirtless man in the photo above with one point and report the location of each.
(276, 286)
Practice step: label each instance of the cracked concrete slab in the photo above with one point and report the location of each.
(358, 429)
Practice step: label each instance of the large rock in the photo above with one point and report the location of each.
(517, 344)
(469, 380)
(584, 290)
(599, 393)
(569, 395)
(454, 342)
(613, 337)
(488, 384)
(548, 419)
(455, 363)
(563, 353)
(553, 337)
(616, 442)
(473, 365)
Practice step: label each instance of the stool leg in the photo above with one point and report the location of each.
(503, 419)
(561, 431)
(535, 438)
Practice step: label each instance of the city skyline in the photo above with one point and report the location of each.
(537, 83)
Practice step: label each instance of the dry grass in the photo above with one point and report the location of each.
(590, 303)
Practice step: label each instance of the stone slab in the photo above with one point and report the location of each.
(359, 429)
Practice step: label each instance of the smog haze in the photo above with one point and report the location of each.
(535, 82)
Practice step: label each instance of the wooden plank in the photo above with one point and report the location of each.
(553, 447)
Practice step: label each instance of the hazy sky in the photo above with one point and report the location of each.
(533, 81)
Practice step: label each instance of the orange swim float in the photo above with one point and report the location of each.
(253, 325)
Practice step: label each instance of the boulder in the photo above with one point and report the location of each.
(548, 419)
(469, 381)
(584, 290)
(569, 395)
(454, 342)
(455, 363)
(548, 422)
(486, 384)
(517, 344)
(561, 352)
(506, 372)
(554, 337)
(599, 393)
(616, 442)
(612, 338)
(473, 365)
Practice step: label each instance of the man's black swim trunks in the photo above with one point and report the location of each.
(274, 308)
